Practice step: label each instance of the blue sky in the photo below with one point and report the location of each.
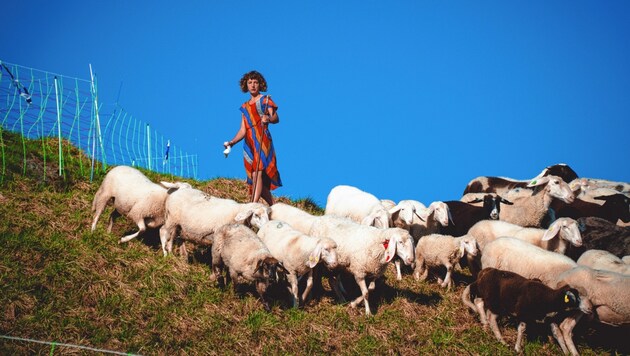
(403, 99)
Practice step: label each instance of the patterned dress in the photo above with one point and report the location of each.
(258, 150)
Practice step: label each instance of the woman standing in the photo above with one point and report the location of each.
(259, 154)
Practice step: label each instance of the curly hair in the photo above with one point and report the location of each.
(253, 75)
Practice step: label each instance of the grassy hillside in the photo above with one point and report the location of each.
(61, 283)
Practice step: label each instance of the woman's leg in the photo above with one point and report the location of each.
(257, 186)
(261, 190)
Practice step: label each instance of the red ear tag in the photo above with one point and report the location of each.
(385, 244)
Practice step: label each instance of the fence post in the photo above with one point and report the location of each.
(98, 127)
(149, 146)
(58, 127)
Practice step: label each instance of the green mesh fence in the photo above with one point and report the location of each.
(46, 106)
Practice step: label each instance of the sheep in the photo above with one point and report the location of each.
(465, 215)
(563, 233)
(565, 229)
(615, 207)
(607, 291)
(430, 220)
(238, 248)
(500, 185)
(296, 217)
(600, 234)
(298, 253)
(626, 260)
(442, 250)
(604, 260)
(531, 210)
(587, 190)
(529, 300)
(360, 206)
(133, 195)
(195, 216)
(364, 251)
(518, 256)
(424, 221)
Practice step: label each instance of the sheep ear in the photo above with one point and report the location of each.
(505, 201)
(552, 231)
(570, 298)
(462, 249)
(390, 249)
(538, 181)
(476, 200)
(450, 217)
(243, 216)
(314, 257)
(368, 220)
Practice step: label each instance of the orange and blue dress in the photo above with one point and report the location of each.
(258, 151)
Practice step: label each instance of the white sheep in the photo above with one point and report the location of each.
(364, 251)
(430, 219)
(604, 260)
(530, 210)
(442, 250)
(133, 195)
(560, 234)
(626, 259)
(357, 205)
(530, 261)
(247, 259)
(298, 253)
(296, 217)
(195, 216)
(607, 291)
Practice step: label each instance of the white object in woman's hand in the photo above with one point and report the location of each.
(228, 148)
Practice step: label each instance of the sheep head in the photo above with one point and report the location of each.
(440, 212)
(253, 214)
(379, 217)
(399, 242)
(326, 250)
(467, 245)
(568, 230)
(554, 187)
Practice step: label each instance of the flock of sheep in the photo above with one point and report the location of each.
(548, 248)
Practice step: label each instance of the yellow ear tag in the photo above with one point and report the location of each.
(312, 259)
(566, 298)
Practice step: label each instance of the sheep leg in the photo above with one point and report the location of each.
(261, 288)
(566, 327)
(495, 328)
(141, 229)
(99, 206)
(112, 217)
(309, 285)
(519, 338)
(335, 286)
(164, 239)
(294, 288)
(557, 334)
(398, 273)
(447, 279)
(363, 297)
(420, 271)
(482, 312)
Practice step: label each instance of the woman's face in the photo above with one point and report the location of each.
(253, 86)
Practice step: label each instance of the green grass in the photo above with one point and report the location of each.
(61, 282)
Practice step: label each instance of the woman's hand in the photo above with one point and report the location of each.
(265, 119)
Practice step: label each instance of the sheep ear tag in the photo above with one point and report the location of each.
(566, 298)
(313, 258)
